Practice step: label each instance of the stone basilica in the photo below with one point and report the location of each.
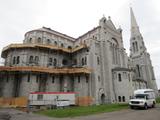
(94, 64)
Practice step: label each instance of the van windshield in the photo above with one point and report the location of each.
(140, 96)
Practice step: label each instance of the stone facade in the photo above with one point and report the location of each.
(110, 76)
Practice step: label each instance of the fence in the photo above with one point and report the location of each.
(13, 102)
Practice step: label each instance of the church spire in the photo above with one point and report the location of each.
(133, 19)
(136, 41)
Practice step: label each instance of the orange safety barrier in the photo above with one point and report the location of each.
(84, 101)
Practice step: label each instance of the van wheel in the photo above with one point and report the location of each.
(153, 105)
(131, 107)
(145, 106)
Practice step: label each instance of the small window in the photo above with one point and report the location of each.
(79, 79)
(87, 78)
(55, 62)
(36, 78)
(119, 98)
(50, 61)
(28, 80)
(119, 77)
(99, 79)
(53, 79)
(98, 62)
(18, 60)
(40, 97)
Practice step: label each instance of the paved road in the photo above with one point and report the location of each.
(150, 114)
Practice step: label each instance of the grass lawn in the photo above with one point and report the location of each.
(81, 111)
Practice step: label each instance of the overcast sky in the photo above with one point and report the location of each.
(75, 17)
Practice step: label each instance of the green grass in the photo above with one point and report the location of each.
(81, 111)
(158, 100)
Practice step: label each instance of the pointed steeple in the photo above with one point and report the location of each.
(136, 41)
(133, 19)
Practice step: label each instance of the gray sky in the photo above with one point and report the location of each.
(75, 17)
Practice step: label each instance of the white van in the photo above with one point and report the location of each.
(143, 98)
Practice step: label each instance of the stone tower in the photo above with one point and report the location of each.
(141, 62)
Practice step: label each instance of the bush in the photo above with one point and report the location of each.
(158, 99)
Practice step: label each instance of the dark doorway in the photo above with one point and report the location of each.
(42, 82)
(17, 82)
(102, 98)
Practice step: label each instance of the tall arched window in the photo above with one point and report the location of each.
(83, 61)
(48, 41)
(30, 40)
(119, 77)
(18, 59)
(31, 59)
(123, 98)
(36, 59)
(138, 71)
(14, 60)
(119, 98)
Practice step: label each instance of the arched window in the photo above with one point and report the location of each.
(119, 77)
(55, 62)
(18, 59)
(99, 79)
(119, 98)
(123, 98)
(14, 60)
(31, 59)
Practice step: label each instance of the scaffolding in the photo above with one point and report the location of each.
(46, 69)
(41, 46)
